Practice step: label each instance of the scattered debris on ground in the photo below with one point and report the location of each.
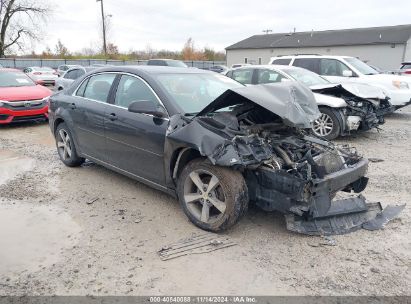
(196, 244)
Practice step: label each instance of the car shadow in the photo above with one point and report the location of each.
(23, 124)
(255, 218)
(398, 115)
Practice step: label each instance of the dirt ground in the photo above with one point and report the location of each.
(54, 242)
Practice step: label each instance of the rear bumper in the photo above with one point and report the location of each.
(8, 116)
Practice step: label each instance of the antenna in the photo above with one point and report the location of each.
(267, 31)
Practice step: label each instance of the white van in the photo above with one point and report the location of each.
(339, 69)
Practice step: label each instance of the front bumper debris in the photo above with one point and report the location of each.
(371, 217)
(309, 207)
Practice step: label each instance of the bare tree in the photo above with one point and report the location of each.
(20, 20)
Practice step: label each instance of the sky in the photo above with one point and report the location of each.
(167, 24)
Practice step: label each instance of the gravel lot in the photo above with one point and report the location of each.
(53, 241)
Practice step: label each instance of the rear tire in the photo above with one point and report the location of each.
(213, 198)
(327, 125)
(66, 147)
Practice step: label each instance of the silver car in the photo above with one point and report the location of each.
(70, 75)
(65, 67)
(42, 75)
(345, 108)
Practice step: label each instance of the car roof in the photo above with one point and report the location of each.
(153, 70)
(269, 67)
(308, 56)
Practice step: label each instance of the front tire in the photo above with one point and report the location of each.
(66, 147)
(327, 125)
(213, 198)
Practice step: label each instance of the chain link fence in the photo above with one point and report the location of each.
(21, 63)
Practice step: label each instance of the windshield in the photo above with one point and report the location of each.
(306, 77)
(15, 79)
(193, 92)
(362, 67)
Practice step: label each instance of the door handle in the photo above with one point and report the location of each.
(112, 116)
(73, 106)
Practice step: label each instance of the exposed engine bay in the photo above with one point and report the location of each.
(286, 169)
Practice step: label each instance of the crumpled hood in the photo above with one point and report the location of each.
(291, 101)
(361, 90)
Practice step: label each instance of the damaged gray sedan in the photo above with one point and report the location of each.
(215, 145)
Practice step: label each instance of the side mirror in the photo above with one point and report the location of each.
(146, 107)
(348, 73)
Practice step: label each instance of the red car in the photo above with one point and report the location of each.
(21, 99)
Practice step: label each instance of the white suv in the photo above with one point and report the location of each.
(338, 69)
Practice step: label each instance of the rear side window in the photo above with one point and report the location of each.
(98, 87)
(268, 76)
(71, 74)
(311, 64)
(283, 61)
(79, 73)
(157, 62)
(244, 76)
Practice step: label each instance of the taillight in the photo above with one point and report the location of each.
(36, 73)
(407, 72)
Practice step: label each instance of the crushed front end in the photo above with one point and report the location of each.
(366, 105)
(263, 131)
(302, 179)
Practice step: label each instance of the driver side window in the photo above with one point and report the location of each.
(132, 89)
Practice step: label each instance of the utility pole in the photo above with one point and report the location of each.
(104, 27)
(267, 31)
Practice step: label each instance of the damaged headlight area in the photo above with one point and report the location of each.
(285, 168)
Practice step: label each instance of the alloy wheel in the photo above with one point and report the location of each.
(64, 144)
(203, 196)
(324, 125)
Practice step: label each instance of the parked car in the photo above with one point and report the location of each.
(70, 75)
(64, 67)
(215, 144)
(338, 69)
(221, 69)
(167, 62)
(405, 68)
(344, 107)
(20, 98)
(44, 75)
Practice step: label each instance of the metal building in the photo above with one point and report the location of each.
(385, 47)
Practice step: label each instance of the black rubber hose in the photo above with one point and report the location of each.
(284, 156)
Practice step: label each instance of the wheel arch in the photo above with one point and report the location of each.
(57, 122)
(181, 157)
